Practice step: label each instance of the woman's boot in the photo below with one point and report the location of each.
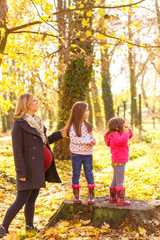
(112, 198)
(120, 192)
(76, 193)
(91, 193)
(3, 231)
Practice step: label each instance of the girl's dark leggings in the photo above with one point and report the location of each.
(27, 198)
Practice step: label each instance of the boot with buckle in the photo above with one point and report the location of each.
(91, 193)
(120, 192)
(112, 198)
(76, 193)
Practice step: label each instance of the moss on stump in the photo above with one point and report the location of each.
(139, 213)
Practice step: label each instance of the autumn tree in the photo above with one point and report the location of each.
(97, 104)
(78, 72)
(3, 28)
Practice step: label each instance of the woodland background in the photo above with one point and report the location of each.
(104, 52)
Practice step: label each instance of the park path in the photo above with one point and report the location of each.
(6, 138)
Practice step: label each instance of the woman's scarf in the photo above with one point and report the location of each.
(36, 123)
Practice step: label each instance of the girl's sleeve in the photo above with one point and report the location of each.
(121, 139)
(92, 138)
(79, 140)
(107, 140)
(130, 133)
(17, 144)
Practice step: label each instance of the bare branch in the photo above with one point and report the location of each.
(51, 54)
(94, 7)
(143, 67)
(157, 70)
(43, 33)
(66, 10)
(127, 41)
(40, 15)
(23, 26)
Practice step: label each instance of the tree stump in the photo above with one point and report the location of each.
(139, 213)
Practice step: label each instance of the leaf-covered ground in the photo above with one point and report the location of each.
(142, 180)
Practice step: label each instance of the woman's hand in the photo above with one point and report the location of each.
(22, 179)
(63, 132)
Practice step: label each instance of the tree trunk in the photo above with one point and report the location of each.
(97, 105)
(3, 28)
(134, 112)
(90, 108)
(144, 96)
(50, 117)
(106, 86)
(158, 15)
(4, 124)
(75, 81)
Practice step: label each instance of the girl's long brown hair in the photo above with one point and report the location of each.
(22, 105)
(115, 124)
(77, 117)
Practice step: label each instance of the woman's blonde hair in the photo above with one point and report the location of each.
(77, 117)
(22, 105)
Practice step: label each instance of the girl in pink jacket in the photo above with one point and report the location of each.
(116, 138)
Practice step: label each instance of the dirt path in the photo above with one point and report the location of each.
(6, 138)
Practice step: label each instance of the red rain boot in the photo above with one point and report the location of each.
(112, 198)
(76, 193)
(120, 192)
(91, 193)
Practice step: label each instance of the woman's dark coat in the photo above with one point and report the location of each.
(29, 156)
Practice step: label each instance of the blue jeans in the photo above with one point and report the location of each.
(77, 161)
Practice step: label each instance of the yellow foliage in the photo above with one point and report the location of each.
(82, 6)
(142, 231)
(73, 45)
(121, 37)
(125, 9)
(2, 32)
(101, 37)
(71, 7)
(135, 25)
(82, 39)
(89, 13)
(78, 34)
(5, 67)
(85, 22)
(88, 33)
(1, 56)
(148, 179)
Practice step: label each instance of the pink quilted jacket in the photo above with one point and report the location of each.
(118, 143)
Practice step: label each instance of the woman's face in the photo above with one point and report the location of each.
(32, 107)
(86, 113)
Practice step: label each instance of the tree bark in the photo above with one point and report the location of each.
(158, 15)
(134, 112)
(4, 124)
(97, 105)
(3, 28)
(106, 86)
(90, 108)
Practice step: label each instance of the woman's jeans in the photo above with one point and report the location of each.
(118, 175)
(27, 198)
(77, 161)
